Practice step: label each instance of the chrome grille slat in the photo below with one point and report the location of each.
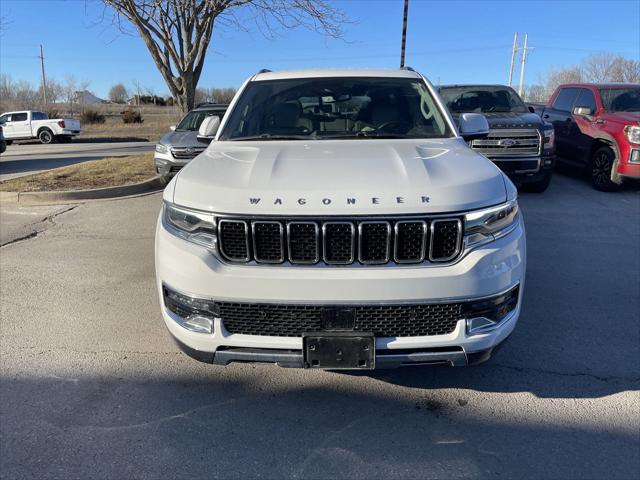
(528, 142)
(340, 241)
(186, 153)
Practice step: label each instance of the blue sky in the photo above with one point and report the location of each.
(449, 41)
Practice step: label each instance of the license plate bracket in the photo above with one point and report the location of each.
(339, 350)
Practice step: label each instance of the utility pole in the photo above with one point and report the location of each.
(404, 32)
(513, 56)
(44, 78)
(524, 59)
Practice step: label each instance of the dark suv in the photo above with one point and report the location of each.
(519, 141)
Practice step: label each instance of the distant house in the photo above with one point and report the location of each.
(85, 97)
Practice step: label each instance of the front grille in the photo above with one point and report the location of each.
(382, 320)
(340, 241)
(512, 143)
(186, 153)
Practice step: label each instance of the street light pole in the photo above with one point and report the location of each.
(404, 32)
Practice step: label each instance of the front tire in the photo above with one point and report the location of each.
(538, 186)
(601, 170)
(45, 136)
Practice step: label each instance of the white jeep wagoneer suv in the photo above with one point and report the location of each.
(339, 220)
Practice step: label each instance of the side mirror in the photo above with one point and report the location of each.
(473, 126)
(172, 128)
(531, 109)
(583, 111)
(208, 129)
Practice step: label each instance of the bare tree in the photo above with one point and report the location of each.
(71, 87)
(118, 93)
(536, 93)
(598, 68)
(177, 33)
(563, 75)
(625, 70)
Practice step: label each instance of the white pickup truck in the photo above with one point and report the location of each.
(27, 124)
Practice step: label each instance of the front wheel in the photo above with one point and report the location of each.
(538, 186)
(45, 137)
(602, 164)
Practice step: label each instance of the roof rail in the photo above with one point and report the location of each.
(407, 68)
(264, 70)
(210, 104)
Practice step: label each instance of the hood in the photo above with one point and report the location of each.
(623, 117)
(339, 177)
(181, 139)
(510, 119)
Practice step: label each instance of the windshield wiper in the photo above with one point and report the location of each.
(365, 135)
(268, 136)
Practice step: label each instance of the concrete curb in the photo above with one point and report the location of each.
(150, 185)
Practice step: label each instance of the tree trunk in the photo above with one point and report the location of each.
(187, 96)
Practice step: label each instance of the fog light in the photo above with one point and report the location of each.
(635, 156)
(199, 323)
(479, 324)
(548, 161)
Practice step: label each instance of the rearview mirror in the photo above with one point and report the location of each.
(208, 129)
(583, 111)
(473, 126)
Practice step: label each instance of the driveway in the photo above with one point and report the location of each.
(91, 385)
(24, 159)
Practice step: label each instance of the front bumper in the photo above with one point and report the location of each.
(488, 270)
(166, 165)
(527, 169)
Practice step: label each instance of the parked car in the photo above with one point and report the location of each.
(3, 144)
(178, 147)
(519, 142)
(28, 124)
(597, 127)
(339, 220)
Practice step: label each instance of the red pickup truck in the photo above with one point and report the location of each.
(597, 126)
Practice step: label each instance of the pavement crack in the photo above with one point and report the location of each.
(48, 222)
(567, 374)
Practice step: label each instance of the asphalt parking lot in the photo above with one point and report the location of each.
(25, 159)
(91, 386)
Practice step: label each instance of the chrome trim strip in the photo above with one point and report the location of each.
(388, 246)
(348, 302)
(424, 241)
(255, 245)
(246, 236)
(458, 240)
(317, 237)
(324, 243)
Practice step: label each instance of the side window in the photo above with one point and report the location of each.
(19, 117)
(564, 100)
(586, 99)
(5, 118)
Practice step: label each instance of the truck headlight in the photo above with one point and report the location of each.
(633, 133)
(160, 148)
(548, 138)
(191, 225)
(482, 226)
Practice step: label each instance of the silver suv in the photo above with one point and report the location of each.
(178, 147)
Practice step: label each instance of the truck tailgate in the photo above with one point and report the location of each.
(71, 124)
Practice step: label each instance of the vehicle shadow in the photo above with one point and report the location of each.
(85, 140)
(35, 165)
(237, 424)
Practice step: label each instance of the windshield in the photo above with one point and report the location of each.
(478, 99)
(621, 99)
(191, 122)
(350, 107)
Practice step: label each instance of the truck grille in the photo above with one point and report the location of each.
(186, 153)
(513, 143)
(404, 320)
(340, 241)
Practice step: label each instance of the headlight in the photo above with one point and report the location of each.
(633, 133)
(160, 148)
(484, 226)
(549, 138)
(193, 226)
